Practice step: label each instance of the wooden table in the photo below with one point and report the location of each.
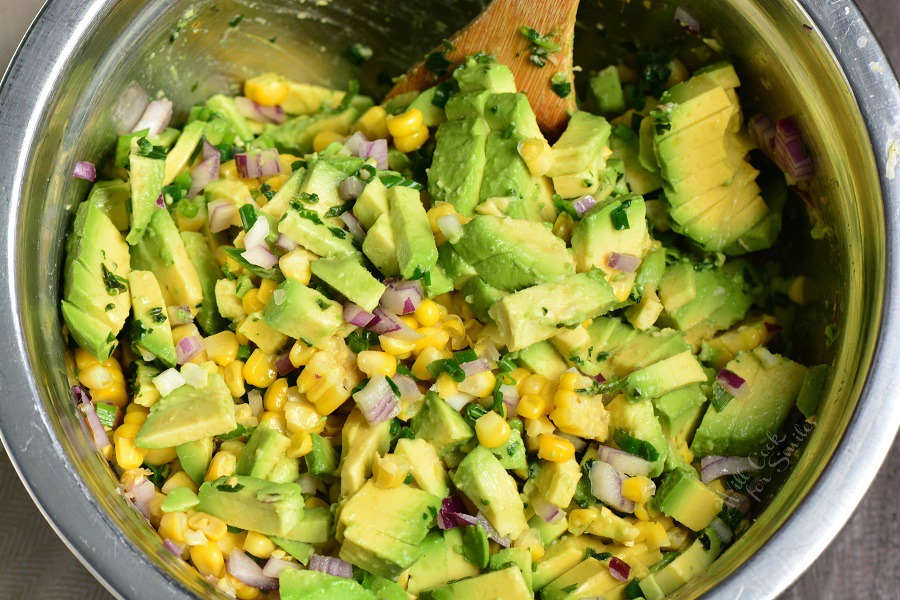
(861, 563)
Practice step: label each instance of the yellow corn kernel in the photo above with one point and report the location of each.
(395, 346)
(413, 141)
(300, 353)
(295, 265)
(410, 321)
(268, 89)
(532, 406)
(221, 465)
(259, 370)
(568, 381)
(372, 363)
(555, 448)
(492, 430)
(406, 123)
(563, 226)
(276, 395)
(445, 386)
(440, 209)
(179, 480)
(131, 477)
(301, 445)
(327, 396)
(127, 430)
(390, 470)
(84, 359)
(155, 508)
(426, 357)
(638, 489)
(251, 301)
(243, 591)
(536, 154)
(428, 313)
(230, 541)
(563, 398)
(652, 533)
(258, 545)
(275, 420)
(480, 385)
(228, 170)
(212, 527)
(533, 384)
(160, 456)
(373, 123)
(266, 287)
(134, 417)
(173, 525)
(128, 456)
(301, 416)
(800, 291)
(208, 559)
(432, 337)
(457, 330)
(580, 519)
(324, 138)
(531, 539)
(222, 347)
(233, 374)
(640, 511)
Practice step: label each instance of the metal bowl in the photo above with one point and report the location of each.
(816, 60)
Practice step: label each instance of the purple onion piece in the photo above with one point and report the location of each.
(351, 188)
(584, 204)
(377, 149)
(448, 516)
(619, 569)
(401, 297)
(377, 401)
(245, 569)
(85, 170)
(331, 565)
(260, 256)
(355, 142)
(627, 263)
(713, 467)
(128, 108)
(205, 173)
(687, 20)
(356, 315)
(353, 226)
(187, 348)
(731, 382)
(156, 117)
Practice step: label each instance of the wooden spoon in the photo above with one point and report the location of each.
(497, 32)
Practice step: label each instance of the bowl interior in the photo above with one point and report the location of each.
(189, 50)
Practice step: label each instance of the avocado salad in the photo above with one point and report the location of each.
(346, 350)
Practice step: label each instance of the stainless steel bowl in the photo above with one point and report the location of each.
(811, 58)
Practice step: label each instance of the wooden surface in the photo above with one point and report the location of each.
(862, 562)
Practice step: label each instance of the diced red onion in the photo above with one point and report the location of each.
(790, 150)
(736, 500)
(83, 400)
(722, 528)
(284, 365)
(687, 20)
(259, 163)
(510, 396)
(473, 367)
(399, 329)
(355, 142)
(351, 188)
(274, 567)
(353, 226)
(584, 204)
(458, 401)
(221, 215)
(453, 514)
(168, 381)
(331, 565)
(355, 315)
(260, 256)
(773, 328)
(258, 112)
(627, 263)
(85, 170)
(141, 492)
(619, 569)
(195, 375)
(128, 108)
(623, 461)
(451, 227)
(713, 467)
(208, 150)
(275, 114)
(382, 322)
(205, 173)
(187, 348)
(549, 513)
(377, 149)
(256, 235)
(377, 401)
(160, 201)
(286, 243)
(245, 569)
(172, 547)
(401, 297)
(491, 532)
(731, 382)
(762, 128)
(599, 378)
(606, 486)
(255, 400)
(156, 117)
(408, 388)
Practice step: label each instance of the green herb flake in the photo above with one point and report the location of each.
(236, 21)
(561, 85)
(448, 366)
(619, 216)
(158, 315)
(146, 149)
(393, 386)
(540, 47)
(437, 62)
(307, 214)
(248, 216)
(337, 232)
(106, 413)
(158, 474)
(224, 487)
(243, 352)
(114, 284)
(361, 340)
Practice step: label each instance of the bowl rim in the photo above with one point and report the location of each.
(44, 467)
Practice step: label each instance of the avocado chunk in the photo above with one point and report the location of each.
(295, 136)
(563, 555)
(198, 249)
(299, 550)
(96, 300)
(556, 482)
(256, 330)
(666, 375)
(687, 500)
(297, 584)
(432, 115)
(687, 565)
(302, 313)
(322, 181)
(226, 108)
(511, 254)
(151, 324)
(588, 579)
(112, 198)
(607, 91)
(625, 146)
(442, 426)
(483, 73)
(679, 412)
(633, 424)
(188, 414)
(416, 250)
(262, 452)
(585, 138)
(542, 358)
(506, 583)
(314, 527)
(146, 176)
(520, 557)
(424, 465)
(372, 203)
(321, 459)
(617, 226)
(180, 154)
(475, 546)
(456, 269)
(810, 394)
(604, 523)
(141, 381)
(512, 454)
(253, 504)
(645, 348)
(482, 478)
(481, 296)
(361, 443)
(309, 230)
(536, 313)
(746, 423)
(194, 457)
(457, 169)
(350, 279)
(380, 247)
(161, 250)
(441, 562)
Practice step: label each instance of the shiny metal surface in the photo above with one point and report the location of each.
(53, 102)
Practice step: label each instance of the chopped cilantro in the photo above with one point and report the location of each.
(361, 340)
(448, 366)
(393, 386)
(158, 474)
(232, 529)
(366, 172)
(113, 283)
(392, 179)
(619, 216)
(274, 273)
(437, 61)
(338, 232)
(507, 362)
(632, 445)
(158, 314)
(352, 92)
(267, 191)
(239, 431)
(560, 85)
(298, 164)
(540, 47)
(308, 198)
(307, 214)
(336, 211)
(442, 92)
(323, 304)
(106, 413)
(243, 352)
(591, 553)
(224, 487)
(720, 397)
(146, 149)
(248, 216)
(235, 21)
(475, 411)
(565, 206)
